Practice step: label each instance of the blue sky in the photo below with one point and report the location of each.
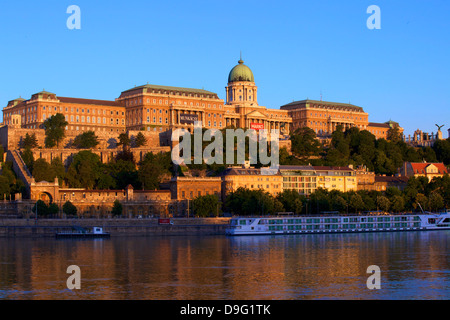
(296, 49)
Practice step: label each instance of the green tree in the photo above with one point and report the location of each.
(69, 209)
(291, 201)
(42, 171)
(53, 209)
(356, 203)
(304, 143)
(124, 140)
(435, 202)
(397, 203)
(442, 150)
(383, 203)
(394, 134)
(41, 208)
(28, 158)
(250, 202)
(338, 203)
(57, 167)
(55, 130)
(153, 167)
(421, 201)
(206, 205)
(5, 188)
(140, 140)
(86, 140)
(84, 170)
(117, 208)
(30, 141)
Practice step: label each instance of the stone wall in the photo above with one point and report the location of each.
(12, 137)
(117, 227)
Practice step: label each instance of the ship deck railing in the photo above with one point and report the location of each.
(333, 215)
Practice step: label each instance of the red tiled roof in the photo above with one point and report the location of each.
(421, 167)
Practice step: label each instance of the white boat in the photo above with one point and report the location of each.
(79, 232)
(337, 224)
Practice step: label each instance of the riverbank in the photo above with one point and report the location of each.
(116, 227)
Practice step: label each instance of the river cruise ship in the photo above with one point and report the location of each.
(337, 224)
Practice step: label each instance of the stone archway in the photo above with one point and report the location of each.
(46, 197)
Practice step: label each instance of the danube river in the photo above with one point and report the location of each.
(413, 265)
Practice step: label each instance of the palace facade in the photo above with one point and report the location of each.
(324, 117)
(162, 108)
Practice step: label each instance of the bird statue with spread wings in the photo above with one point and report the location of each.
(439, 127)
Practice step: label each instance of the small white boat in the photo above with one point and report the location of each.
(79, 232)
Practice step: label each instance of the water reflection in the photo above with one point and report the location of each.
(414, 265)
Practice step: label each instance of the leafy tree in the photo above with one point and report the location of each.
(152, 168)
(250, 202)
(41, 208)
(421, 201)
(2, 152)
(435, 201)
(356, 203)
(84, 170)
(28, 158)
(398, 203)
(57, 167)
(86, 140)
(124, 140)
(140, 140)
(339, 203)
(394, 134)
(5, 188)
(53, 209)
(42, 171)
(206, 205)
(383, 203)
(442, 150)
(304, 143)
(69, 209)
(117, 208)
(30, 141)
(55, 130)
(291, 201)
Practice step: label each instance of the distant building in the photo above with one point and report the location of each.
(324, 117)
(301, 179)
(307, 179)
(251, 178)
(367, 180)
(423, 169)
(336, 178)
(382, 183)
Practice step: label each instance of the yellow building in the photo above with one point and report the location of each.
(307, 179)
(252, 179)
(336, 178)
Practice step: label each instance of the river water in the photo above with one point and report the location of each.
(413, 265)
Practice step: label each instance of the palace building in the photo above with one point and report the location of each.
(162, 108)
(154, 108)
(324, 117)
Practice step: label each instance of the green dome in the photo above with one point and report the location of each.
(241, 73)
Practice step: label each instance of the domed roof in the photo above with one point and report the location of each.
(241, 73)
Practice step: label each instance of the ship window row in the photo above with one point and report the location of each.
(342, 227)
(337, 220)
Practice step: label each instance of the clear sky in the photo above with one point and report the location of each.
(296, 50)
